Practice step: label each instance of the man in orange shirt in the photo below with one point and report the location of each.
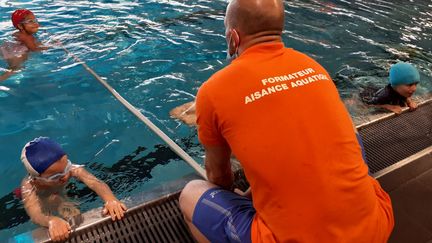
(279, 113)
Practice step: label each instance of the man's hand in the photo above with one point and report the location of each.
(58, 229)
(246, 193)
(114, 208)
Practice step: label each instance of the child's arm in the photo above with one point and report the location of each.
(383, 98)
(411, 104)
(394, 108)
(58, 228)
(6, 75)
(30, 42)
(112, 205)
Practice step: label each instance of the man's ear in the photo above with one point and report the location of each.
(235, 37)
(20, 26)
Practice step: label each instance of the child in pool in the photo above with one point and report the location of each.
(16, 52)
(403, 78)
(43, 189)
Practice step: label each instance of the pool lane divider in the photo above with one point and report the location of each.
(179, 151)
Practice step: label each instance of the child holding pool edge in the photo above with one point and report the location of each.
(403, 80)
(49, 170)
(15, 53)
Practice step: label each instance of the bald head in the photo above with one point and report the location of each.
(251, 17)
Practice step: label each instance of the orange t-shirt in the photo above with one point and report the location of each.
(280, 113)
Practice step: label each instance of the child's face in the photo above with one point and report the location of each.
(406, 90)
(30, 24)
(57, 174)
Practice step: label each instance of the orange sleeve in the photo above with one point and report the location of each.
(208, 131)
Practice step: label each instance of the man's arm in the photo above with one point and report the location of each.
(218, 166)
(112, 205)
(359, 140)
(217, 152)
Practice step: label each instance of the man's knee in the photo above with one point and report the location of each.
(190, 195)
(193, 191)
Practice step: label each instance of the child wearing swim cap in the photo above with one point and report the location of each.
(403, 80)
(16, 52)
(49, 169)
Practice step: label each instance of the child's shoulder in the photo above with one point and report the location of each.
(26, 180)
(23, 37)
(385, 91)
(17, 34)
(376, 95)
(387, 95)
(26, 186)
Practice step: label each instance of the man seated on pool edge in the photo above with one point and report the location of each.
(43, 188)
(297, 148)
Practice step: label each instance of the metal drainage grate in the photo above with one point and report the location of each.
(395, 138)
(158, 221)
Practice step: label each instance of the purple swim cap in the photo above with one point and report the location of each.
(39, 154)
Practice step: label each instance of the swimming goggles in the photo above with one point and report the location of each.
(30, 21)
(57, 176)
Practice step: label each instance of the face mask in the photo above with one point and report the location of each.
(230, 57)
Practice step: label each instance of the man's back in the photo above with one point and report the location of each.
(281, 115)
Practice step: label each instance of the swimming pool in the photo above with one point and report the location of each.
(156, 54)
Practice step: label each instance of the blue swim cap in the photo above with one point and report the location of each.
(403, 73)
(39, 154)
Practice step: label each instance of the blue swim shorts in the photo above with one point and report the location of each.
(224, 216)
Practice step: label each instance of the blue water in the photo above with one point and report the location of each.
(157, 54)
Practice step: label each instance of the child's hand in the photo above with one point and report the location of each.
(412, 105)
(115, 208)
(58, 229)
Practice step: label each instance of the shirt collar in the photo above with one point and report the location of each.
(266, 47)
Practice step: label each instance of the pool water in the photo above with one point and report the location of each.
(156, 54)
